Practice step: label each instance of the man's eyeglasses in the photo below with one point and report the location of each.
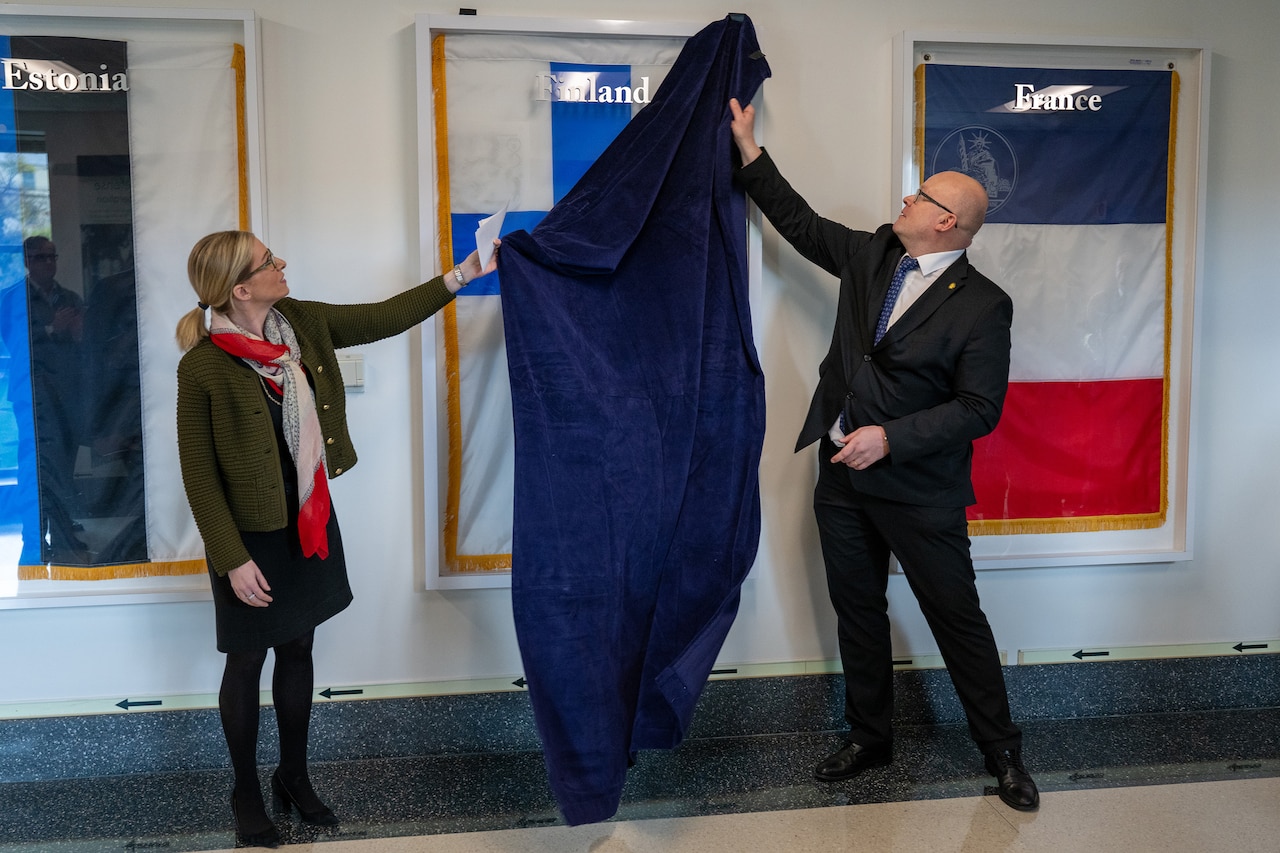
(45, 256)
(269, 262)
(921, 194)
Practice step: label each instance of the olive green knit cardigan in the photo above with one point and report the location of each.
(226, 440)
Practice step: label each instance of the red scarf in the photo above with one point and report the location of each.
(281, 365)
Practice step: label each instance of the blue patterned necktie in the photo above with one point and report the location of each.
(907, 264)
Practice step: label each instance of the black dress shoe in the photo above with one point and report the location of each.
(253, 827)
(302, 797)
(1017, 788)
(851, 759)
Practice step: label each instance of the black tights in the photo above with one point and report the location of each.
(292, 682)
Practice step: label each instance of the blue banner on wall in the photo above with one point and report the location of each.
(1053, 146)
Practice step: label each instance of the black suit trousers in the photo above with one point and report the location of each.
(858, 532)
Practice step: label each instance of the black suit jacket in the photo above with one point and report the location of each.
(935, 382)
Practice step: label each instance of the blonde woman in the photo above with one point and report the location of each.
(261, 428)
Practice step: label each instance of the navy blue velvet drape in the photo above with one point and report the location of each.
(639, 419)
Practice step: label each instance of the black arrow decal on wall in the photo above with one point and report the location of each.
(126, 704)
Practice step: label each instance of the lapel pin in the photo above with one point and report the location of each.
(951, 286)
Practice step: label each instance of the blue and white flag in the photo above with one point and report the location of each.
(521, 118)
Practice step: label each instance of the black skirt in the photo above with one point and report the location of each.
(305, 591)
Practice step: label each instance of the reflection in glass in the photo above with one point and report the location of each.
(71, 475)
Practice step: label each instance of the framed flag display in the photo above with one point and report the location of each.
(512, 111)
(125, 135)
(1091, 156)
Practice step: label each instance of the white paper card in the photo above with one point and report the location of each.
(487, 232)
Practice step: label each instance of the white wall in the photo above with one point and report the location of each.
(341, 170)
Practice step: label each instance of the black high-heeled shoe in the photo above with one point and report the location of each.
(282, 798)
(254, 836)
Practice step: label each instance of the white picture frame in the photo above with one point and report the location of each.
(1172, 541)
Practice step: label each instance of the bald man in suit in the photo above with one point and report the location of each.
(917, 369)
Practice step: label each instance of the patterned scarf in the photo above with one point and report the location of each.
(278, 361)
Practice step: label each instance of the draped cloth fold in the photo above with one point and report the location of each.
(278, 360)
(639, 419)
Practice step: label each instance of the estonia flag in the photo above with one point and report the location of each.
(124, 153)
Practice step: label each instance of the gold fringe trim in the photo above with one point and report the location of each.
(55, 572)
(1175, 90)
(917, 142)
(242, 134)
(455, 563)
(478, 564)
(1083, 524)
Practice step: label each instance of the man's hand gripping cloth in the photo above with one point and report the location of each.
(639, 419)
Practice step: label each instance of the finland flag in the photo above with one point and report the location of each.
(522, 117)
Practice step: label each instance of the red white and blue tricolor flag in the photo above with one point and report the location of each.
(1078, 167)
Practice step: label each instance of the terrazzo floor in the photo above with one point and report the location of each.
(1200, 817)
(1169, 782)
